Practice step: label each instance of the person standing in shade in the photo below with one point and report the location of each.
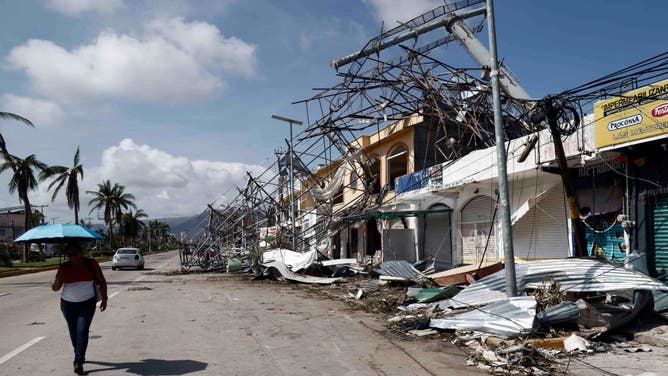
(78, 278)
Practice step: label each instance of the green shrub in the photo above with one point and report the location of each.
(5, 260)
(36, 256)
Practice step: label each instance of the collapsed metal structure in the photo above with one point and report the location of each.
(399, 73)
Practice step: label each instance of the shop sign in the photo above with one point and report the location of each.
(635, 115)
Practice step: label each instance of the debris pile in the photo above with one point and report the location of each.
(565, 307)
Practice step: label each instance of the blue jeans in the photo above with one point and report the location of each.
(79, 316)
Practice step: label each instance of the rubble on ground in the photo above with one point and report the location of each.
(566, 308)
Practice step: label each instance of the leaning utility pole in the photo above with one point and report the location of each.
(554, 112)
(504, 200)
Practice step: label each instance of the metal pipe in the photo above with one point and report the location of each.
(508, 254)
(291, 179)
(412, 34)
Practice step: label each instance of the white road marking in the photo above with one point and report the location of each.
(19, 349)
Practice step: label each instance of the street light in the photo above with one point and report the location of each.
(291, 177)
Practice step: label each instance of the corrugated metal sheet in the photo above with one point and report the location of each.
(563, 312)
(401, 269)
(577, 275)
(290, 275)
(335, 262)
(432, 295)
(508, 318)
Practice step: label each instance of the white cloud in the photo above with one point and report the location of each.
(77, 7)
(38, 111)
(173, 62)
(164, 184)
(204, 42)
(391, 11)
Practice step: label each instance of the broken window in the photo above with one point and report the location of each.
(397, 163)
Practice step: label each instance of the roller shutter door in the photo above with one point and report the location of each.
(659, 257)
(475, 228)
(438, 239)
(543, 231)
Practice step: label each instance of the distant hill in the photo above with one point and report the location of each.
(190, 225)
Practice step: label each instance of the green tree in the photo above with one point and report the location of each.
(23, 181)
(113, 200)
(68, 176)
(131, 224)
(158, 233)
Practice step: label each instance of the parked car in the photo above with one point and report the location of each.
(127, 258)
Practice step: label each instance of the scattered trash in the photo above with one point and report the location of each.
(638, 349)
(423, 332)
(139, 288)
(233, 265)
(575, 343)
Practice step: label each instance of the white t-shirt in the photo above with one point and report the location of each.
(78, 291)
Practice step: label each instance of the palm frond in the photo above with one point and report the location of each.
(11, 116)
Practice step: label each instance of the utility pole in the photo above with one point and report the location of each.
(555, 112)
(291, 178)
(504, 200)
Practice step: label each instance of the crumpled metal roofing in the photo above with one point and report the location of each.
(294, 260)
(508, 318)
(401, 269)
(292, 276)
(576, 275)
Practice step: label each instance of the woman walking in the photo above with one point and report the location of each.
(78, 278)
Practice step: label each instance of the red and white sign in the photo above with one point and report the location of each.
(660, 110)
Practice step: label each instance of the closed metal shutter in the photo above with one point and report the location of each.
(543, 231)
(660, 229)
(438, 242)
(475, 230)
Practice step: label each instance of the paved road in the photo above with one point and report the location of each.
(204, 324)
(31, 321)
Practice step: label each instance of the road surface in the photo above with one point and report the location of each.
(161, 323)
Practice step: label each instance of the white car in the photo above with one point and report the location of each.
(128, 258)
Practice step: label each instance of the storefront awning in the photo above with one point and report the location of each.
(393, 214)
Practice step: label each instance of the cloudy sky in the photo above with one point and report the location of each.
(173, 98)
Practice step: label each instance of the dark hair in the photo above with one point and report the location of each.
(76, 247)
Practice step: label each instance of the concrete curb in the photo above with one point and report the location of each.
(13, 273)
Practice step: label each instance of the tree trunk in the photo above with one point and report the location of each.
(26, 226)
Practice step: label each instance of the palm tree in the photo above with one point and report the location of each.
(131, 224)
(22, 182)
(158, 231)
(10, 116)
(113, 200)
(66, 175)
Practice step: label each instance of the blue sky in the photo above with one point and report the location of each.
(173, 98)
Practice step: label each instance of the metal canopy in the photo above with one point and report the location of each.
(393, 215)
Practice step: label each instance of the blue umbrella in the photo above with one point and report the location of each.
(58, 233)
